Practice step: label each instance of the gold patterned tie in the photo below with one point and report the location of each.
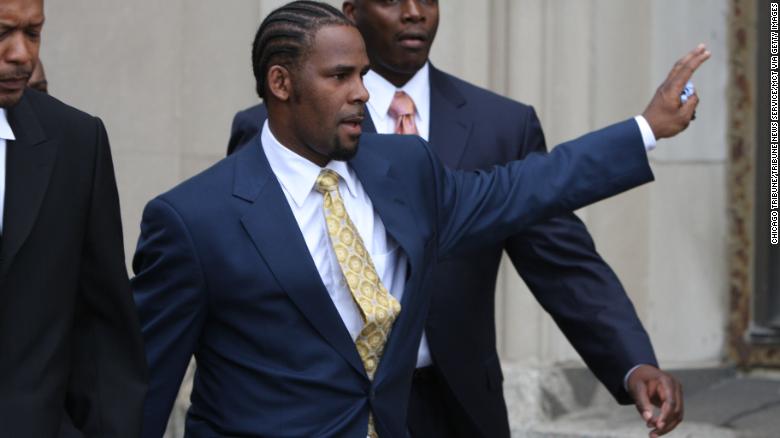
(377, 307)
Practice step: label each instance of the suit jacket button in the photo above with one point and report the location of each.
(371, 394)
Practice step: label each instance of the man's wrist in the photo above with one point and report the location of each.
(628, 376)
(647, 133)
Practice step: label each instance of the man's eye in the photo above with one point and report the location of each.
(340, 76)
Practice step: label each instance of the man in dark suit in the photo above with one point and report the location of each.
(457, 389)
(298, 270)
(71, 358)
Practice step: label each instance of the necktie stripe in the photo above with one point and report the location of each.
(402, 110)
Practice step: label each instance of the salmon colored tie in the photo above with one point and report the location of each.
(378, 308)
(402, 110)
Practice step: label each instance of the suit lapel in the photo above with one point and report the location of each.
(275, 233)
(449, 129)
(29, 164)
(381, 181)
(377, 177)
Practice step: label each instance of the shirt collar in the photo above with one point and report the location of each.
(296, 174)
(6, 133)
(382, 91)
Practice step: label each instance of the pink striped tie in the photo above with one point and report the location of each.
(402, 110)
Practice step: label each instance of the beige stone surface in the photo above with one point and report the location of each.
(707, 140)
(140, 177)
(687, 303)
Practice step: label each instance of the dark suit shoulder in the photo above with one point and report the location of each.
(246, 124)
(38, 117)
(501, 129)
(52, 113)
(485, 100)
(253, 113)
(217, 178)
(402, 149)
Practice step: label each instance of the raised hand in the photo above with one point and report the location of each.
(666, 115)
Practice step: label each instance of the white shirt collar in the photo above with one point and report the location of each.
(5, 128)
(382, 90)
(296, 174)
(381, 95)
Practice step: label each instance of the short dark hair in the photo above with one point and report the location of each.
(286, 33)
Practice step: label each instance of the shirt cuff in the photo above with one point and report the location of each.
(647, 133)
(628, 374)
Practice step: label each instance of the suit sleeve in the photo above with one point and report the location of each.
(169, 292)
(558, 261)
(108, 373)
(479, 207)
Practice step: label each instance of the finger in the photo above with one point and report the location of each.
(642, 402)
(680, 62)
(668, 427)
(700, 49)
(689, 108)
(674, 425)
(686, 70)
(676, 417)
(665, 393)
(677, 65)
(680, 404)
(655, 400)
(658, 431)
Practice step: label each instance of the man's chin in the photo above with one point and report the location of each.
(411, 61)
(7, 100)
(345, 153)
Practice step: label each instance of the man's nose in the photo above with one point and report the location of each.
(20, 50)
(411, 11)
(360, 94)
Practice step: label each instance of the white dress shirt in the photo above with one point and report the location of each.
(419, 89)
(5, 134)
(382, 92)
(297, 176)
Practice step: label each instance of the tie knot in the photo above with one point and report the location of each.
(327, 181)
(402, 105)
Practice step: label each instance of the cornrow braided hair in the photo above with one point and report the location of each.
(286, 33)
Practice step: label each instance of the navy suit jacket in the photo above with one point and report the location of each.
(472, 128)
(222, 271)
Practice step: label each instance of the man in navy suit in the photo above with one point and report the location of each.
(238, 267)
(457, 388)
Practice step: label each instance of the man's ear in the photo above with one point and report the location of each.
(348, 8)
(279, 82)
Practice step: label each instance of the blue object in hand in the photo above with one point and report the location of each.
(687, 92)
